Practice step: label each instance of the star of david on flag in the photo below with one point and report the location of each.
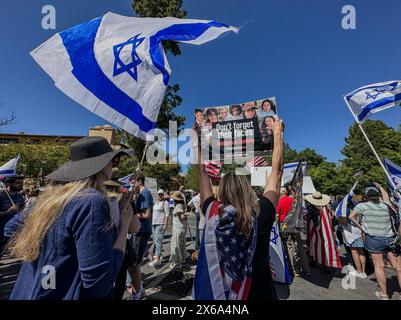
(132, 67)
(374, 98)
(278, 259)
(116, 67)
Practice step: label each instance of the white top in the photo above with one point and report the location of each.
(160, 211)
(195, 201)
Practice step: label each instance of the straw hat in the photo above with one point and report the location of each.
(177, 196)
(318, 199)
(113, 182)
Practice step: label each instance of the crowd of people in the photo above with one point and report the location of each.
(95, 235)
(369, 232)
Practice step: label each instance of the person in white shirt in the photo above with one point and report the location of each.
(160, 217)
(195, 202)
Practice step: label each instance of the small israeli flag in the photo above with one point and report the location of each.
(341, 210)
(395, 174)
(374, 98)
(115, 66)
(289, 171)
(126, 181)
(9, 168)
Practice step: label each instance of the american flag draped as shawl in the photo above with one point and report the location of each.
(224, 268)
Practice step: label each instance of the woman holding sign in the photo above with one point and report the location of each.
(234, 256)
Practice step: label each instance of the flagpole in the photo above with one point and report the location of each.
(8, 195)
(371, 146)
(138, 169)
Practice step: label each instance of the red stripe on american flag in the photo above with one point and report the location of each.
(214, 209)
(247, 288)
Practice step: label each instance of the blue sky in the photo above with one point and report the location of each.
(295, 50)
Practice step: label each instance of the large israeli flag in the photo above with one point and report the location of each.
(9, 168)
(116, 67)
(395, 174)
(374, 98)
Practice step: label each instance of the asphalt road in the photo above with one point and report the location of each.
(164, 283)
(161, 282)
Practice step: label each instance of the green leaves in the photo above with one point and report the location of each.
(37, 160)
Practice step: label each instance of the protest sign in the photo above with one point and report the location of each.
(239, 130)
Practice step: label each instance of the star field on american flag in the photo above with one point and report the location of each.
(236, 251)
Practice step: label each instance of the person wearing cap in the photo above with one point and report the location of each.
(321, 240)
(8, 209)
(69, 245)
(161, 212)
(178, 239)
(249, 110)
(378, 233)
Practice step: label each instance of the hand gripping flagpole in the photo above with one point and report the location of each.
(371, 146)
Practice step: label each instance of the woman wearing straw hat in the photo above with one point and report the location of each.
(69, 243)
(321, 240)
(178, 239)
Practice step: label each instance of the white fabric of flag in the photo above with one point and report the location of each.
(374, 98)
(115, 66)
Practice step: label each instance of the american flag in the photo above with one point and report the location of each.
(256, 162)
(224, 268)
(320, 238)
(213, 169)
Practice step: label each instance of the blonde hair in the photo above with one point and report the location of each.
(25, 245)
(236, 190)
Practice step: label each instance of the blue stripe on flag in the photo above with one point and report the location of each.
(378, 104)
(176, 32)
(353, 93)
(202, 287)
(7, 171)
(79, 42)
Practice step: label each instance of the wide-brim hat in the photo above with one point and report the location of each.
(318, 199)
(113, 183)
(89, 156)
(177, 196)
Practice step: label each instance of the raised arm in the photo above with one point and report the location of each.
(273, 182)
(205, 186)
(383, 192)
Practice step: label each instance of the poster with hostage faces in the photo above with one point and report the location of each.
(238, 130)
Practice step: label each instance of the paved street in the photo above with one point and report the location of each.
(163, 283)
